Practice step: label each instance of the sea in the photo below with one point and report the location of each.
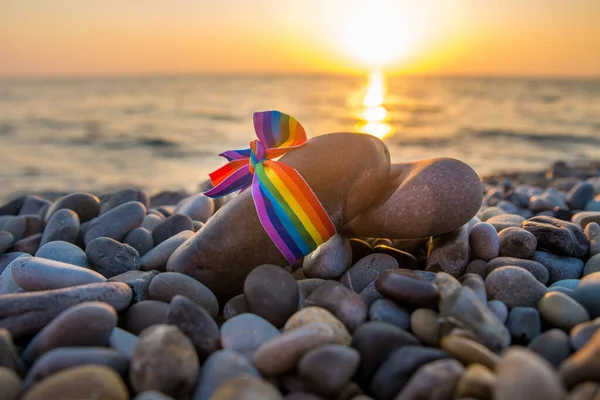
(165, 132)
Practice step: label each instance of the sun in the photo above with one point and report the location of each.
(378, 32)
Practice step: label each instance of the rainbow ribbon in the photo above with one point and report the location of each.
(286, 206)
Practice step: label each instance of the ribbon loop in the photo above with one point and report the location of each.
(287, 208)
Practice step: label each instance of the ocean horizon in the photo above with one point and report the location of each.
(165, 132)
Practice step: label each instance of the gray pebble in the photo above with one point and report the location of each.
(125, 196)
(245, 333)
(330, 260)
(424, 325)
(558, 236)
(140, 239)
(587, 293)
(164, 360)
(579, 195)
(144, 314)
(559, 267)
(515, 287)
(567, 283)
(235, 306)
(29, 245)
(171, 226)
(10, 383)
(524, 324)
(592, 265)
(478, 267)
(553, 345)
(583, 332)
(6, 240)
(476, 283)
(218, 368)
(168, 284)
(437, 379)
(499, 309)
(122, 341)
(484, 241)
(385, 310)
(62, 226)
(592, 232)
(198, 207)
(583, 365)
(63, 252)
(85, 205)
(517, 242)
(504, 221)
(117, 222)
(407, 288)
(23, 226)
(345, 304)
(138, 281)
(156, 258)
(450, 252)
(111, 258)
(535, 268)
(366, 270)
(34, 273)
(329, 367)
(151, 221)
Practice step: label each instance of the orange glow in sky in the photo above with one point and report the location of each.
(464, 37)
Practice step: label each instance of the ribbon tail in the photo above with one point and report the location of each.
(236, 180)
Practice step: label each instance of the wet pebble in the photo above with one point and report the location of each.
(198, 207)
(85, 324)
(117, 222)
(245, 333)
(366, 270)
(170, 227)
(165, 360)
(504, 221)
(144, 314)
(138, 281)
(450, 252)
(524, 323)
(561, 311)
(407, 288)
(111, 258)
(437, 379)
(281, 353)
(34, 273)
(140, 239)
(484, 241)
(587, 293)
(330, 260)
(85, 205)
(517, 242)
(553, 345)
(196, 323)
(157, 257)
(168, 284)
(329, 367)
(385, 310)
(272, 293)
(218, 368)
(397, 369)
(515, 287)
(81, 382)
(558, 236)
(523, 375)
(63, 252)
(63, 226)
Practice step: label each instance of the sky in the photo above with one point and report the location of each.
(43, 38)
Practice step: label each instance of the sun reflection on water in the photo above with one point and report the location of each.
(373, 116)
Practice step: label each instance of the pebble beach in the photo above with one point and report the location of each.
(96, 302)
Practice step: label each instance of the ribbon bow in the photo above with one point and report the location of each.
(287, 208)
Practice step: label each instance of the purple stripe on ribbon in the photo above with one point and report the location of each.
(232, 183)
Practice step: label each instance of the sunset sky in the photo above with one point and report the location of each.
(447, 37)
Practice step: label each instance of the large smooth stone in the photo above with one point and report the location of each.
(198, 207)
(450, 252)
(558, 236)
(111, 258)
(272, 293)
(32, 274)
(196, 323)
(167, 285)
(515, 287)
(437, 380)
(26, 313)
(156, 258)
(330, 260)
(116, 223)
(82, 382)
(559, 267)
(85, 324)
(67, 357)
(432, 197)
(245, 333)
(165, 360)
(345, 304)
(85, 205)
(218, 368)
(397, 369)
(584, 365)
(233, 241)
(523, 375)
(363, 272)
(63, 226)
(63, 252)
